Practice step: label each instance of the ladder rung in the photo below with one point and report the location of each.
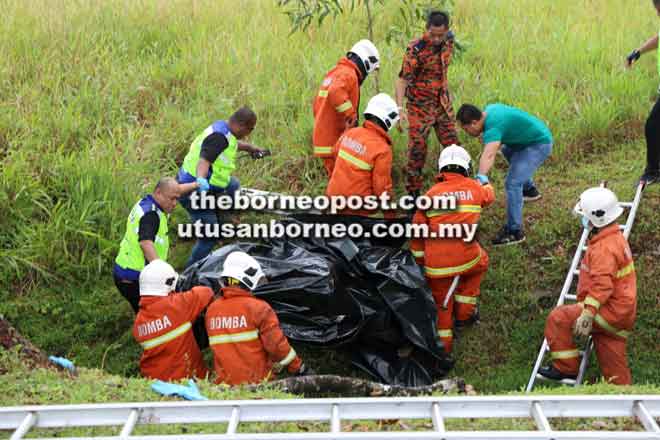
(540, 418)
(130, 423)
(232, 426)
(571, 296)
(27, 423)
(622, 227)
(576, 272)
(335, 422)
(438, 420)
(645, 417)
(626, 204)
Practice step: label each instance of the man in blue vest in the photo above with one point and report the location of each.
(146, 236)
(652, 128)
(209, 162)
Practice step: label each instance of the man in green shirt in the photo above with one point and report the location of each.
(525, 142)
(652, 129)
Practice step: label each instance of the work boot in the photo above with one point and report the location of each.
(552, 373)
(650, 176)
(506, 237)
(474, 319)
(531, 194)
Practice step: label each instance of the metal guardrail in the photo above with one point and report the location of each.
(540, 409)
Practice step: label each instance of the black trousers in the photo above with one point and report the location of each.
(652, 131)
(129, 290)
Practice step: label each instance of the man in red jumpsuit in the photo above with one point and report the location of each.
(607, 297)
(337, 101)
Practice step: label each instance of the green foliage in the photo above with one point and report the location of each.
(97, 103)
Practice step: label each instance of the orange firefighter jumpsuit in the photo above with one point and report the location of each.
(608, 288)
(445, 258)
(335, 108)
(163, 327)
(246, 339)
(363, 167)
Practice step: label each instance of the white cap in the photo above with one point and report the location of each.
(157, 279)
(244, 268)
(368, 53)
(599, 205)
(454, 155)
(384, 108)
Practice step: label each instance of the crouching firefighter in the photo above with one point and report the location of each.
(244, 333)
(364, 155)
(457, 254)
(607, 296)
(164, 325)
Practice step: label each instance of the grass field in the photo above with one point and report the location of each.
(100, 98)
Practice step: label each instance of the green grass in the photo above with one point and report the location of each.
(97, 102)
(48, 387)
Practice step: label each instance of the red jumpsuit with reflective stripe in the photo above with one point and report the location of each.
(444, 258)
(363, 166)
(246, 339)
(608, 288)
(335, 107)
(163, 326)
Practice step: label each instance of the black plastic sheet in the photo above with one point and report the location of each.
(370, 300)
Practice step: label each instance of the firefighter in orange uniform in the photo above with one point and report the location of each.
(445, 258)
(607, 296)
(364, 155)
(336, 104)
(244, 333)
(163, 325)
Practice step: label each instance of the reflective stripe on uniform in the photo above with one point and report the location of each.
(460, 208)
(627, 270)
(355, 161)
(590, 301)
(566, 354)
(465, 299)
(445, 333)
(167, 337)
(288, 358)
(231, 338)
(343, 107)
(323, 93)
(439, 271)
(418, 254)
(610, 328)
(322, 150)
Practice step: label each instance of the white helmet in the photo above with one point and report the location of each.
(454, 155)
(244, 268)
(157, 279)
(599, 205)
(368, 53)
(384, 108)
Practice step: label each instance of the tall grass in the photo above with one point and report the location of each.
(100, 98)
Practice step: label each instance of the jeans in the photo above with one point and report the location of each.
(522, 166)
(203, 246)
(652, 132)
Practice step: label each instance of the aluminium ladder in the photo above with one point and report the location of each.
(436, 410)
(566, 296)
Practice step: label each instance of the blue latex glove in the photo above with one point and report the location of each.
(482, 179)
(191, 392)
(203, 184)
(62, 362)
